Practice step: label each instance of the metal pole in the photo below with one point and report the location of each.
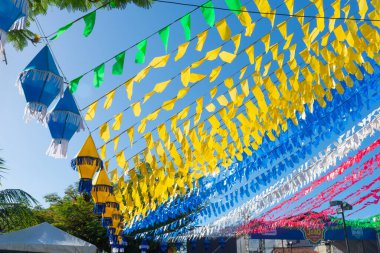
(345, 231)
(282, 242)
(363, 246)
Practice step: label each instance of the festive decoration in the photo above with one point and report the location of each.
(87, 162)
(101, 191)
(13, 15)
(41, 83)
(112, 206)
(63, 122)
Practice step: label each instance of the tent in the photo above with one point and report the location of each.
(44, 238)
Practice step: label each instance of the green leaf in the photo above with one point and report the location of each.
(98, 75)
(209, 13)
(89, 21)
(164, 35)
(186, 24)
(117, 68)
(140, 55)
(74, 84)
(61, 30)
(234, 6)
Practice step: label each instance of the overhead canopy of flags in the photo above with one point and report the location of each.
(237, 119)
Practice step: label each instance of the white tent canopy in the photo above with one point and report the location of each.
(44, 238)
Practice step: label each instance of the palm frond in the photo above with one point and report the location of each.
(16, 216)
(16, 196)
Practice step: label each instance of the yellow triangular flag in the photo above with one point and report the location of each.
(109, 99)
(160, 87)
(266, 41)
(131, 132)
(236, 40)
(117, 123)
(160, 61)
(142, 126)
(213, 54)
(223, 29)
(222, 100)
(129, 87)
(210, 107)
(91, 111)
(136, 109)
(169, 105)
(142, 74)
(290, 5)
(153, 116)
(181, 50)
(183, 114)
(103, 151)
(215, 73)
(227, 57)
(104, 132)
(148, 96)
(182, 92)
(213, 91)
(250, 52)
(194, 78)
(116, 143)
(185, 76)
(120, 160)
(229, 82)
(201, 40)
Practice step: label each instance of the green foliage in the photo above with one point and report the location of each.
(73, 213)
(19, 39)
(15, 207)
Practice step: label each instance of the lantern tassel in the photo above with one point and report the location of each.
(106, 221)
(85, 185)
(35, 111)
(58, 148)
(86, 160)
(36, 74)
(99, 208)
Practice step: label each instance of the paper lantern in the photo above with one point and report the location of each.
(164, 246)
(41, 84)
(116, 218)
(87, 162)
(13, 15)
(101, 191)
(63, 122)
(144, 246)
(111, 206)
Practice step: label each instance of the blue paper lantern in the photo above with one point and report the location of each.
(13, 15)
(41, 84)
(163, 246)
(144, 246)
(178, 246)
(63, 122)
(206, 244)
(222, 242)
(193, 244)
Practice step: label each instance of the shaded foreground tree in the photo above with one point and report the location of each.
(20, 38)
(74, 214)
(15, 207)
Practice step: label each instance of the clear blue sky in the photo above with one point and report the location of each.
(24, 145)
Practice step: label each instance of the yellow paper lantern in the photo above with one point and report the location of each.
(87, 162)
(101, 190)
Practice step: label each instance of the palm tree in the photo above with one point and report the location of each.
(20, 38)
(15, 207)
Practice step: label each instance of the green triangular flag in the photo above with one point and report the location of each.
(209, 13)
(89, 21)
(185, 21)
(61, 30)
(140, 55)
(117, 68)
(74, 84)
(234, 6)
(164, 35)
(98, 75)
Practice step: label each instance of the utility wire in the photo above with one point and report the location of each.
(266, 13)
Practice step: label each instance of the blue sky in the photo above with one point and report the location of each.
(24, 145)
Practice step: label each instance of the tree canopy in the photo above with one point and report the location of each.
(20, 38)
